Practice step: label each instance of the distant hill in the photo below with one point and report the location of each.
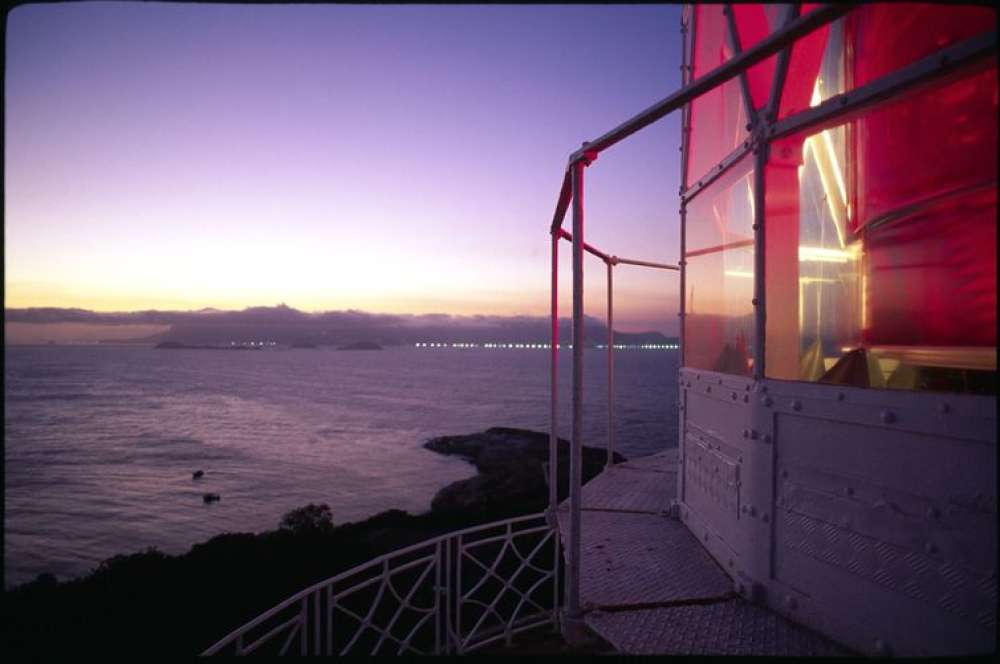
(287, 326)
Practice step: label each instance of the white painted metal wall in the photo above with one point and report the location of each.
(869, 515)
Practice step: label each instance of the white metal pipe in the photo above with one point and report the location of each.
(611, 367)
(629, 261)
(566, 235)
(554, 386)
(576, 450)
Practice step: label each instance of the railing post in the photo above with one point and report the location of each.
(611, 367)
(303, 632)
(573, 624)
(554, 387)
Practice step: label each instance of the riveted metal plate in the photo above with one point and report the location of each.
(732, 627)
(620, 488)
(639, 558)
(663, 462)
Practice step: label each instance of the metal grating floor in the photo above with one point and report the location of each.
(647, 586)
(731, 627)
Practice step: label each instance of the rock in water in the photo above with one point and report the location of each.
(198, 474)
(211, 498)
(511, 471)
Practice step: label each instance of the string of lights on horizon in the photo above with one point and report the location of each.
(433, 344)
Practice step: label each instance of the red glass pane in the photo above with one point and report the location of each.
(911, 275)
(803, 68)
(718, 119)
(886, 37)
(937, 142)
(753, 23)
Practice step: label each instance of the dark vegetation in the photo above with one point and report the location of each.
(179, 605)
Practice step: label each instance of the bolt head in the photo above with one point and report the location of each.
(796, 404)
(888, 417)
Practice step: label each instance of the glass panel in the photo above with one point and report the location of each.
(873, 40)
(755, 22)
(881, 244)
(718, 119)
(719, 320)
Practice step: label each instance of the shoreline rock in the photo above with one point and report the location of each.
(122, 605)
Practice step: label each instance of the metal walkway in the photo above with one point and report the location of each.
(648, 587)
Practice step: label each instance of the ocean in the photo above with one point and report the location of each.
(101, 441)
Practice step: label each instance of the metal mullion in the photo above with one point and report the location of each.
(780, 70)
(687, 57)
(759, 285)
(718, 171)
(838, 109)
(734, 43)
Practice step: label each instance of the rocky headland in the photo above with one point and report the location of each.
(184, 603)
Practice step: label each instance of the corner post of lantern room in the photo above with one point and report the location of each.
(573, 626)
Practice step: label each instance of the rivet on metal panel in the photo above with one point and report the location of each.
(766, 401)
(943, 408)
(840, 396)
(796, 404)
(888, 417)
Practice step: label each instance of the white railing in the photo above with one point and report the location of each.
(451, 594)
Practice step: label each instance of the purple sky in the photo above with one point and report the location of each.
(396, 159)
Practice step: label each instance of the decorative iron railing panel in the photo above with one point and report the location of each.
(451, 594)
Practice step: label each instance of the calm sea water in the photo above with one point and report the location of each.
(101, 441)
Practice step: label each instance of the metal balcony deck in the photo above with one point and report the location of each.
(648, 587)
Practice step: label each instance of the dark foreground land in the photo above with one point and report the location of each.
(149, 602)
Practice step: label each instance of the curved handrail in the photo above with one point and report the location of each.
(438, 548)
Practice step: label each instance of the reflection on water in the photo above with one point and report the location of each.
(101, 441)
